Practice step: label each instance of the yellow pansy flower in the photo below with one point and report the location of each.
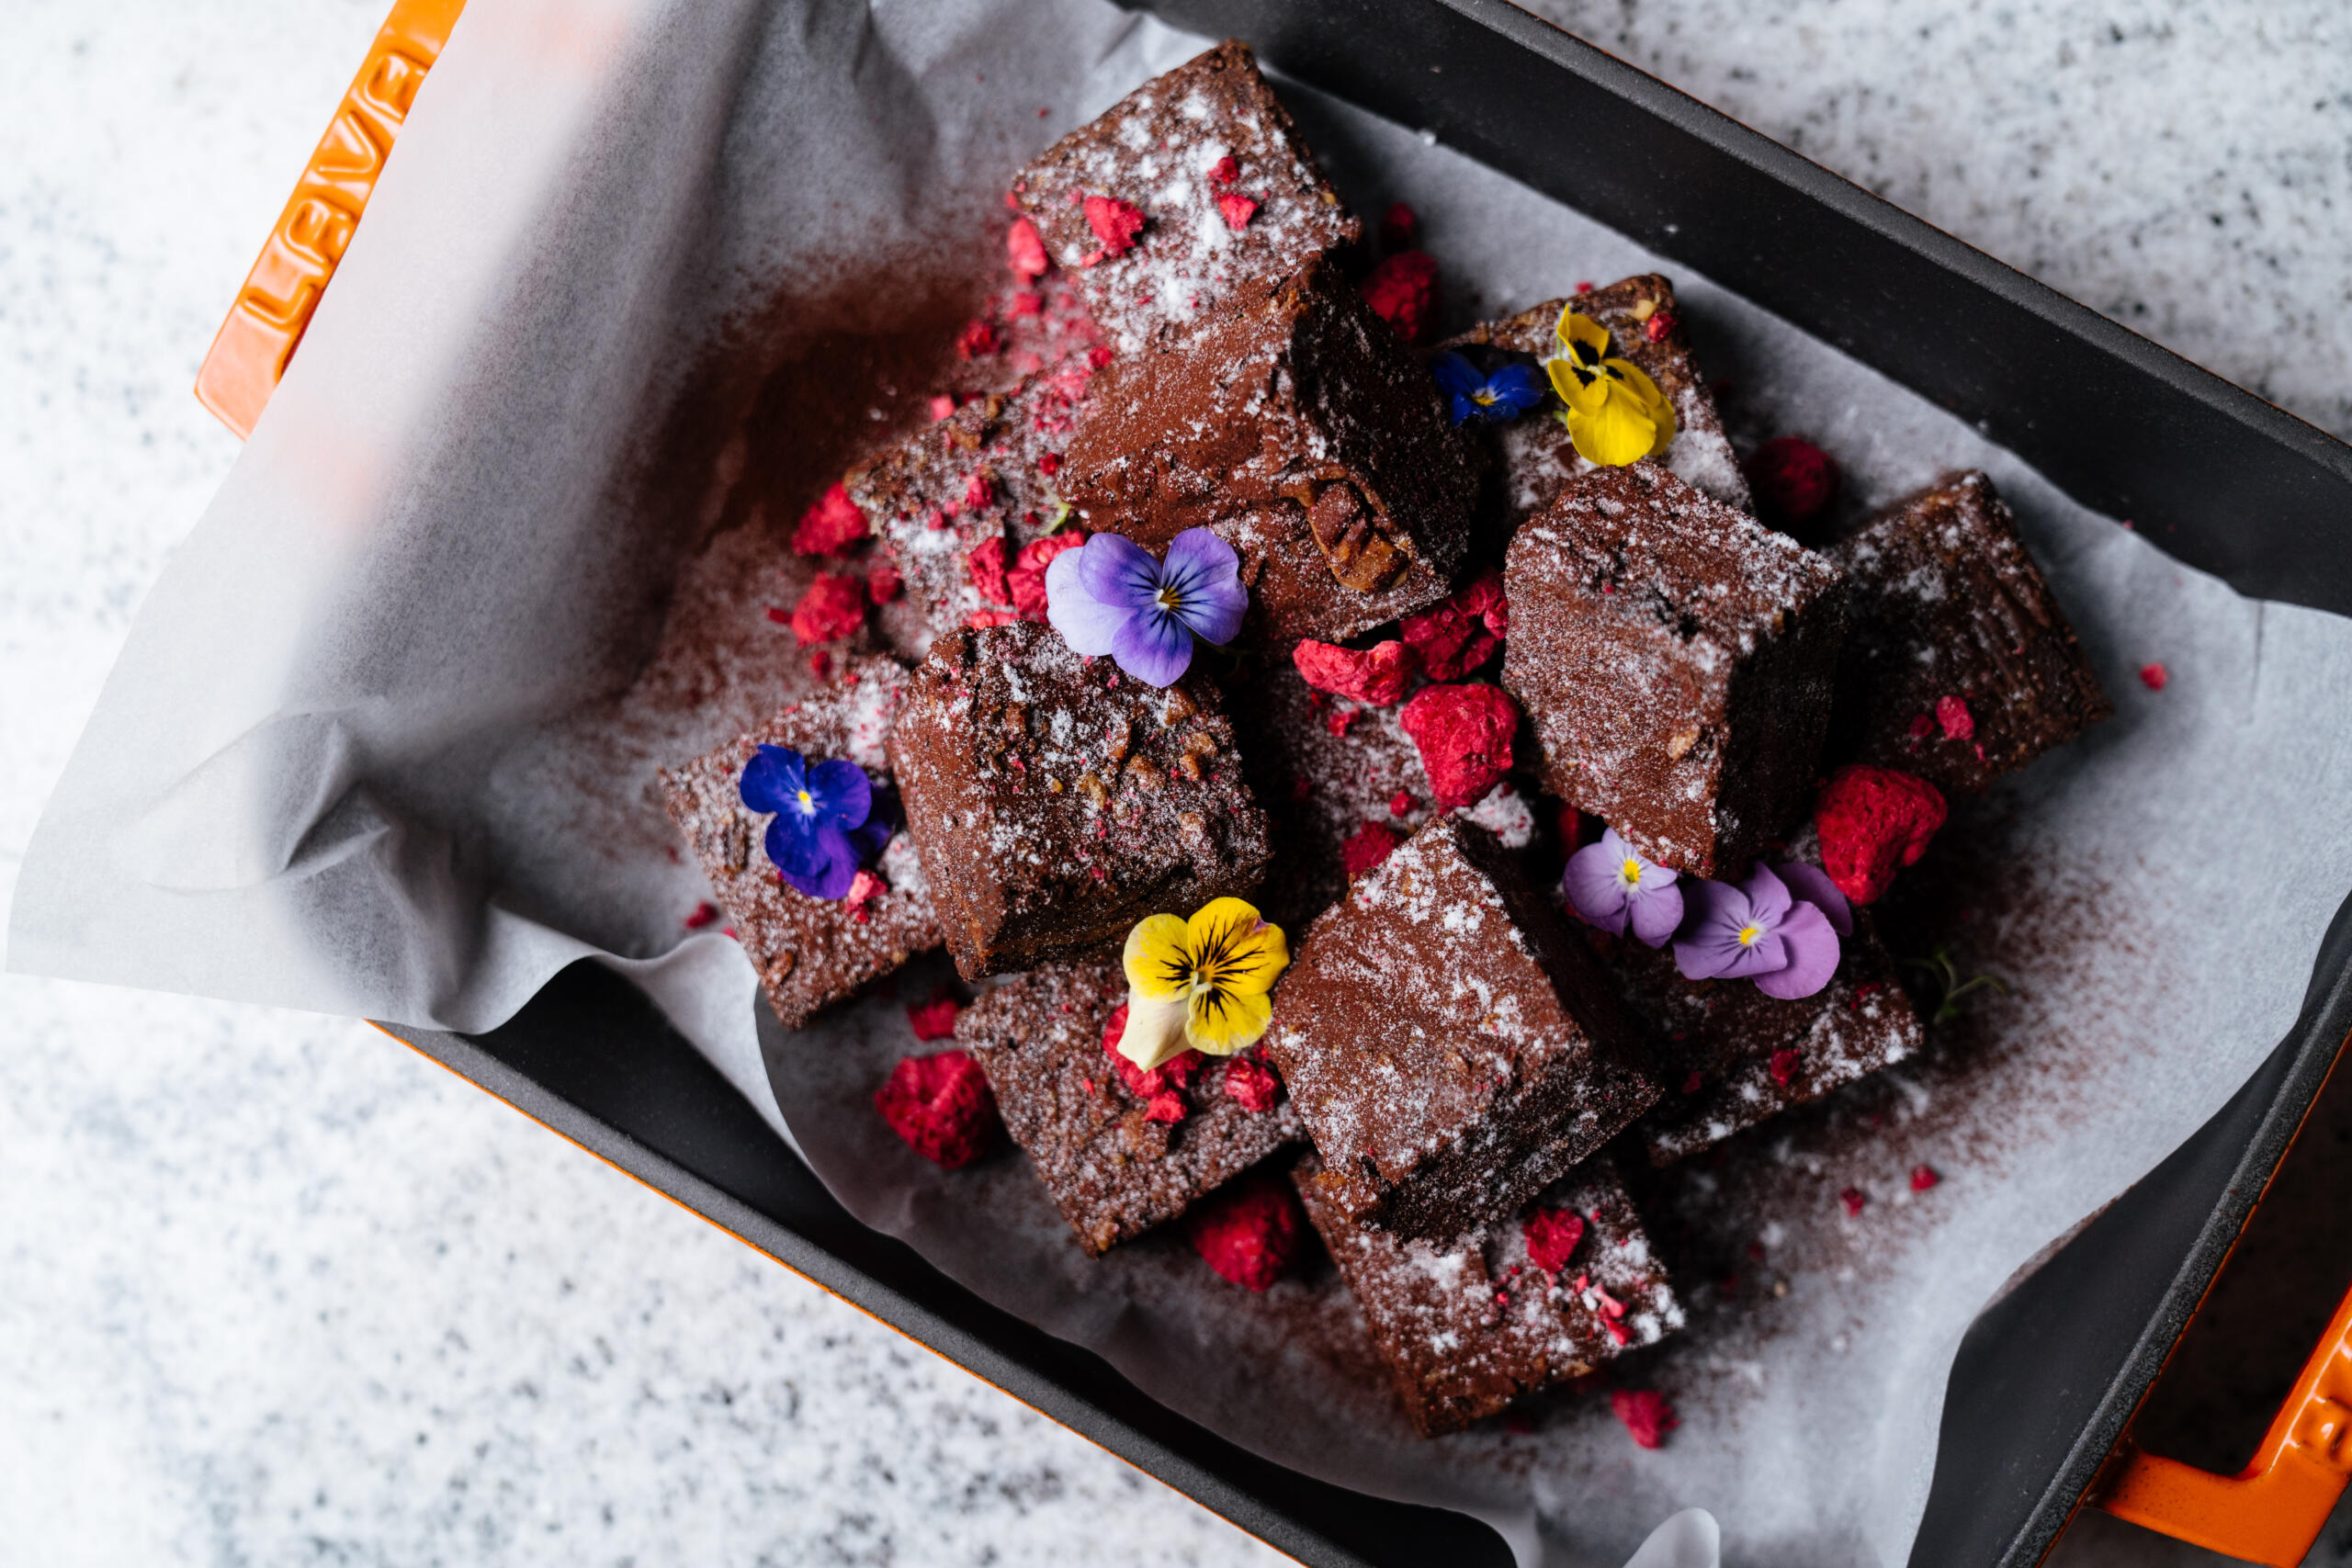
(1615, 414)
(1201, 983)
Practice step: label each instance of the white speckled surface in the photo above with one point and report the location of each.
(276, 1291)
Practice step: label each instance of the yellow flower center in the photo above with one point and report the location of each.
(1630, 874)
(1483, 397)
(1747, 935)
(807, 800)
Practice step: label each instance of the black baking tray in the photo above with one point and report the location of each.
(2047, 1377)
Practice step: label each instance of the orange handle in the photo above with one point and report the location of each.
(282, 291)
(2271, 1511)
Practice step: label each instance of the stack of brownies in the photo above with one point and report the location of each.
(1455, 1057)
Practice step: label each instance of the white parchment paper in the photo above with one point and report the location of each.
(381, 742)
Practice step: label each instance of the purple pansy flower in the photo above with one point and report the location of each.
(1109, 596)
(830, 819)
(1613, 887)
(1758, 931)
(1505, 395)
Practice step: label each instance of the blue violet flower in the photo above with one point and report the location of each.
(1109, 596)
(1612, 887)
(828, 818)
(1507, 393)
(1769, 929)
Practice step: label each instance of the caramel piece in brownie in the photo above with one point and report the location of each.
(1451, 1047)
(809, 952)
(1297, 425)
(1112, 1167)
(1469, 1326)
(1058, 801)
(1675, 658)
(1537, 458)
(1961, 667)
(1161, 149)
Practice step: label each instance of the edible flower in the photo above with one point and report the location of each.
(1759, 930)
(1201, 983)
(1507, 393)
(1109, 596)
(1615, 415)
(828, 818)
(1612, 888)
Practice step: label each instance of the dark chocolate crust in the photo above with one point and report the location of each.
(1675, 658)
(809, 952)
(1057, 802)
(1156, 148)
(1113, 1170)
(1470, 1326)
(1946, 602)
(1537, 458)
(1451, 1047)
(1297, 425)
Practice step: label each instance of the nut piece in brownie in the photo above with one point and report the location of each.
(1056, 801)
(1471, 1326)
(1297, 425)
(1677, 659)
(1206, 161)
(1960, 666)
(1644, 326)
(1117, 1161)
(956, 504)
(1451, 1047)
(809, 952)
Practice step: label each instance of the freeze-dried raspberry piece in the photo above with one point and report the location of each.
(1251, 1084)
(1376, 675)
(1923, 1177)
(1552, 1236)
(1172, 1074)
(1855, 1199)
(1248, 1232)
(864, 888)
(1402, 291)
(1953, 717)
(1166, 1106)
(942, 1105)
(832, 608)
(1400, 228)
(984, 568)
(1026, 580)
(883, 580)
(1236, 208)
(831, 526)
(2153, 676)
(1645, 1413)
(1368, 847)
(1792, 478)
(1464, 735)
(704, 914)
(1024, 251)
(934, 1020)
(1115, 223)
(1458, 634)
(1782, 1066)
(1658, 326)
(1225, 170)
(1871, 821)
(979, 338)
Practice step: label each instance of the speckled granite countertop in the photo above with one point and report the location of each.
(276, 1291)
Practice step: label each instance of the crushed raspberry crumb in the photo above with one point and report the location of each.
(883, 580)
(1460, 633)
(934, 1020)
(1659, 324)
(1400, 228)
(2153, 676)
(1783, 1066)
(979, 619)
(978, 340)
(1115, 223)
(1148, 1086)
(703, 913)
(1050, 463)
(1645, 1413)
(1552, 1235)
(1922, 726)
(830, 526)
(1400, 804)
(1251, 1084)
(864, 888)
(1225, 170)
(820, 665)
(941, 407)
(1854, 1197)
(1023, 306)
(942, 1105)
(1024, 251)
(1923, 1177)
(832, 608)
(1166, 1106)
(1463, 734)
(984, 570)
(1953, 717)
(1792, 479)
(1402, 291)
(1337, 720)
(1873, 820)
(1367, 847)
(1236, 208)
(1097, 358)
(1376, 675)
(1025, 581)
(1248, 1232)
(1696, 1080)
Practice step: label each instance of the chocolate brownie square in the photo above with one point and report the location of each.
(809, 952)
(1960, 667)
(1469, 1326)
(1210, 229)
(1056, 801)
(1677, 659)
(1451, 1047)
(1645, 326)
(1116, 1162)
(941, 494)
(1297, 425)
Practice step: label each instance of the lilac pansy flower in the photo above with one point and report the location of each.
(830, 819)
(1613, 887)
(1109, 597)
(1758, 932)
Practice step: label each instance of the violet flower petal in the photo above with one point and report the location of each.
(771, 778)
(1762, 957)
(1811, 885)
(1594, 893)
(1657, 910)
(1768, 897)
(1155, 647)
(1116, 571)
(831, 866)
(1087, 624)
(1205, 575)
(1717, 913)
(843, 793)
(1812, 946)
